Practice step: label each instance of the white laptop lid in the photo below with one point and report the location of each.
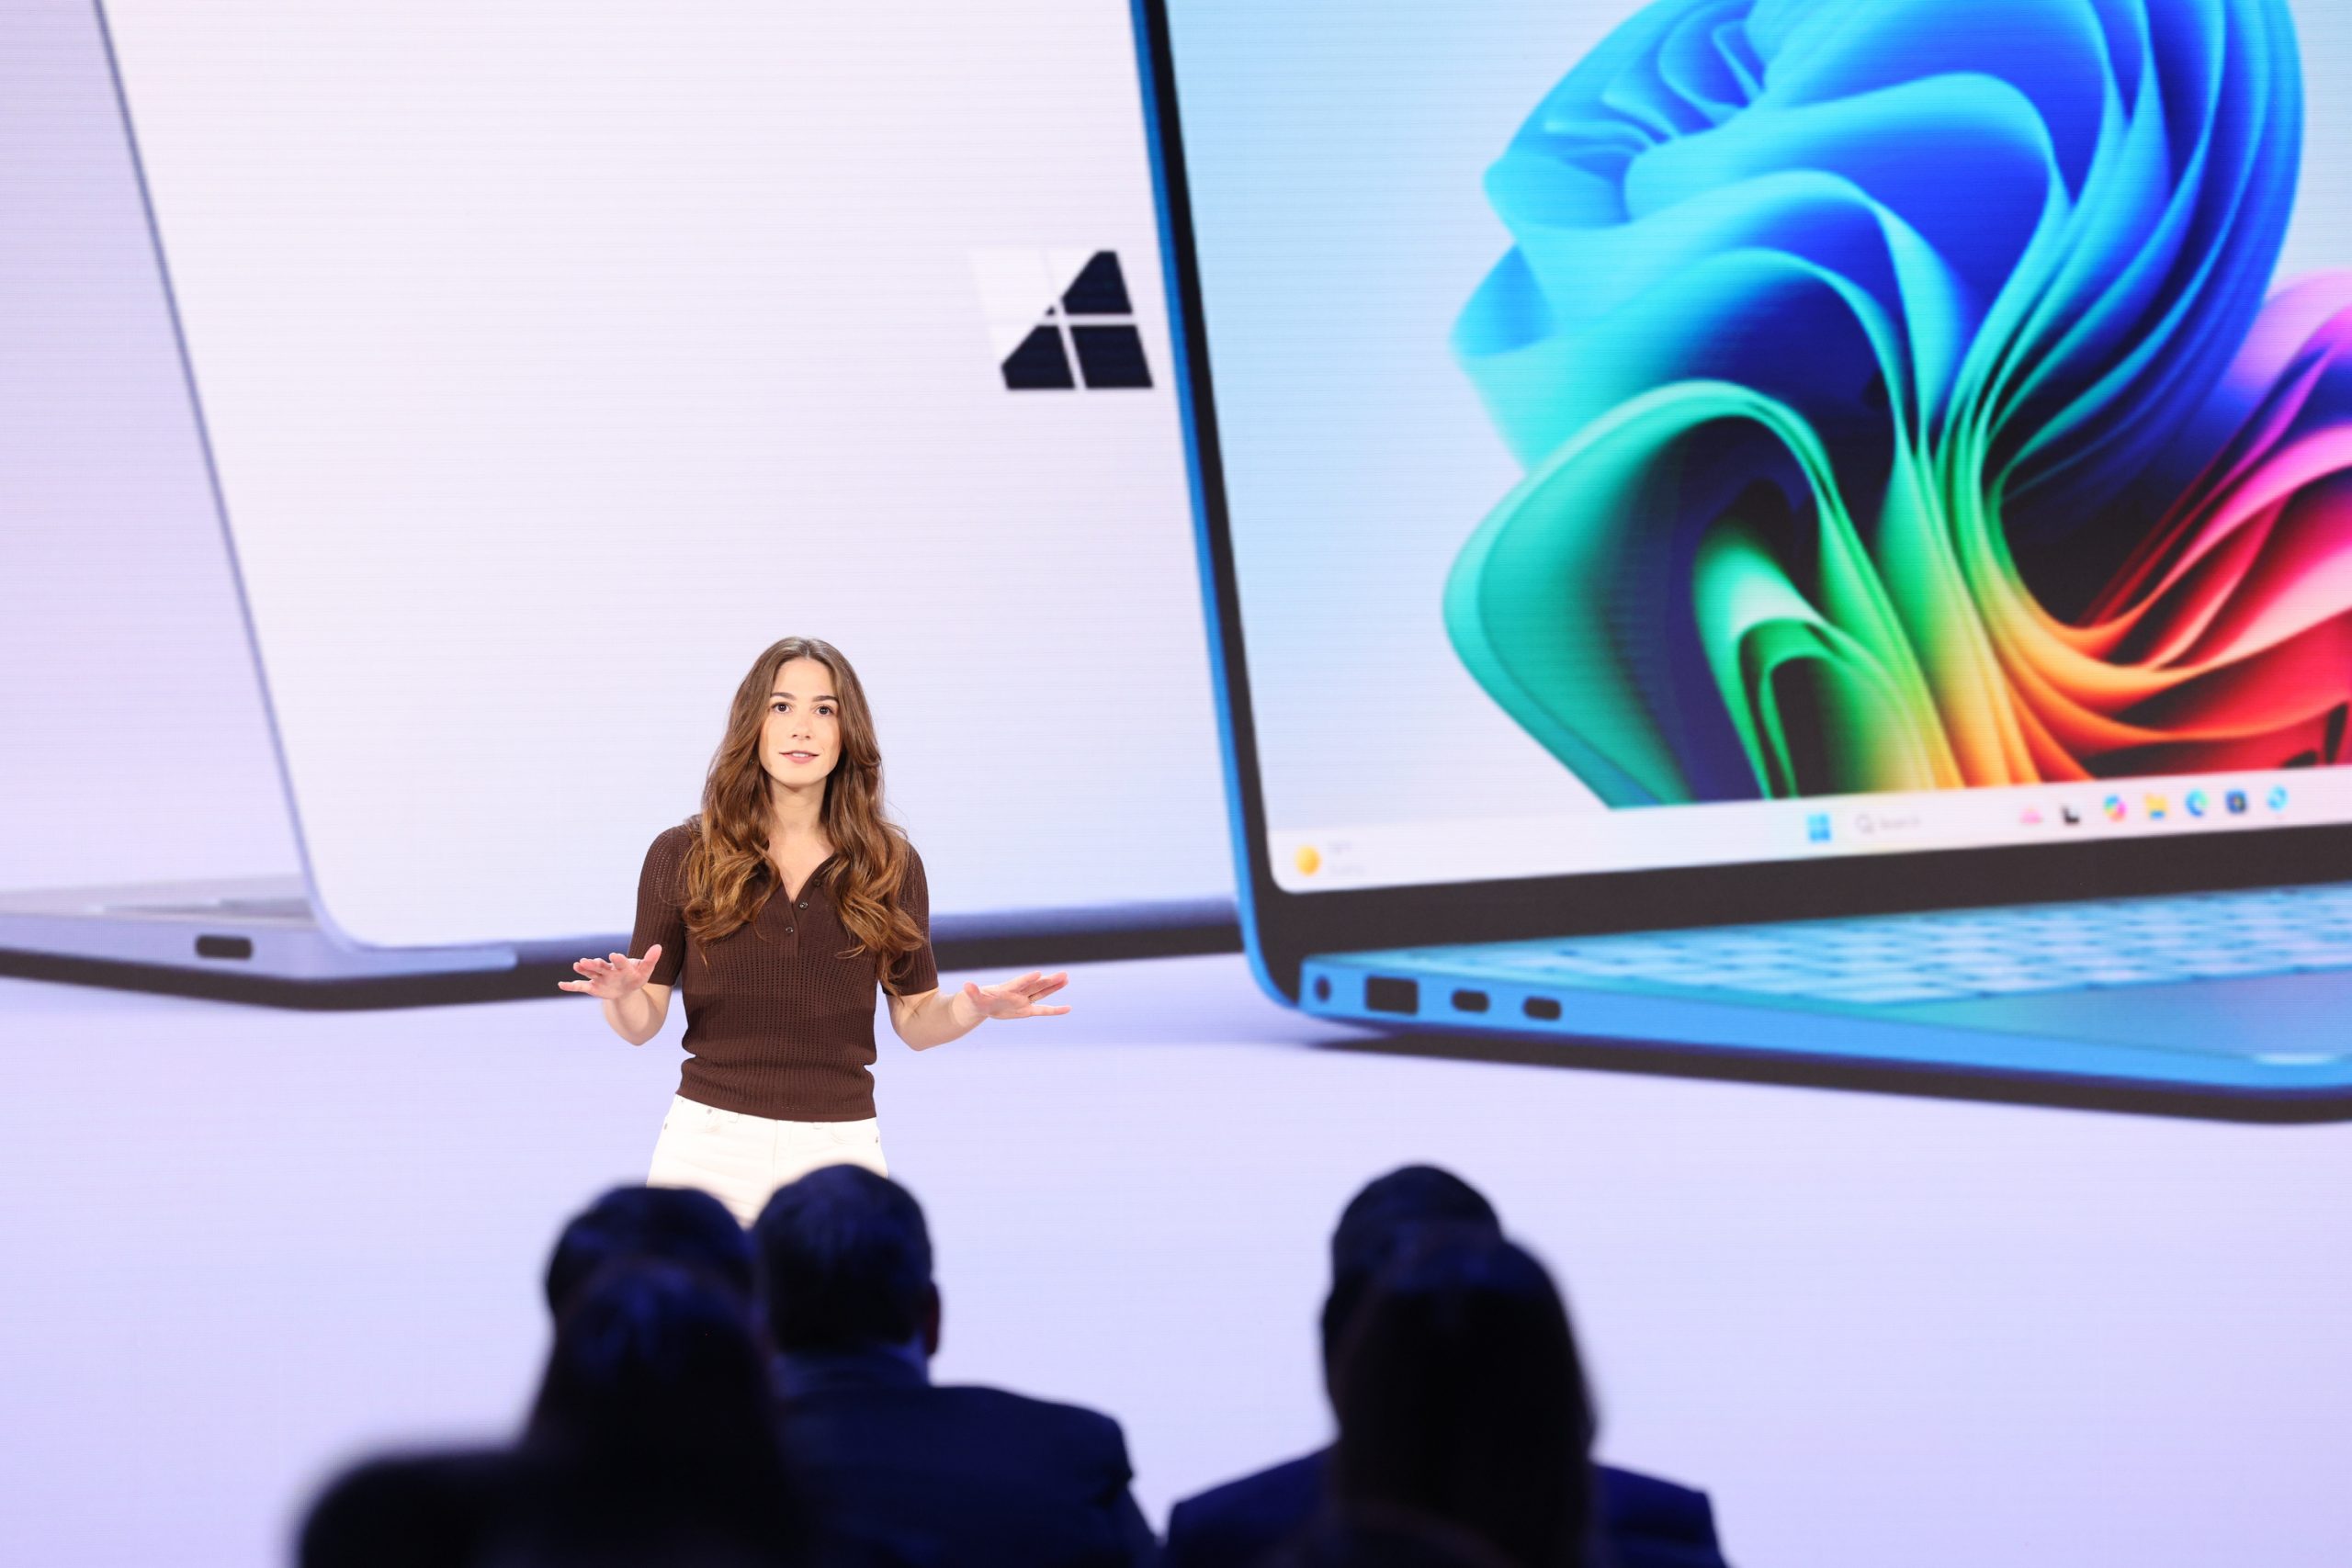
(133, 747)
(555, 359)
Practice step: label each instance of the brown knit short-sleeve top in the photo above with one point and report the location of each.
(779, 1012)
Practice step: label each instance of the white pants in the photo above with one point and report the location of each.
(741, 1160)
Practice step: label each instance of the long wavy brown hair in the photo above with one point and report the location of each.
(728, 875)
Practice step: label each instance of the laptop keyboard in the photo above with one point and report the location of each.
(1959, 953)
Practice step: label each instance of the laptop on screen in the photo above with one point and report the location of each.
(531, 410)
(149, 828)
(1799, 529)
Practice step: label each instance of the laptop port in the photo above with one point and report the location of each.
(1381, 994)
(1469, 1001)
(1545, 1008)
(1322, 988)
(224, 947)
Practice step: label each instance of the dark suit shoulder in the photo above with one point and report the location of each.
(961, 1426)
(1074, 1429)
(1636, 1508)
(964, 1474)
(1241, 1520)
(1297, 1481)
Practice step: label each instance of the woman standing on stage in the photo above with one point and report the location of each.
(777, 909)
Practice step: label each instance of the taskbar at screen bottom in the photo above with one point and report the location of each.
(1404, 854)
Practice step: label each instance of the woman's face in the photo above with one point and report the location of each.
(801, 738)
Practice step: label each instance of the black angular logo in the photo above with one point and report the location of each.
(1061, 320)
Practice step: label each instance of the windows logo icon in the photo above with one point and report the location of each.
(1061, 320)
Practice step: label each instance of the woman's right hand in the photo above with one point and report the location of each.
(615, 976)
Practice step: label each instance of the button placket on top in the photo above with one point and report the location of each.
(792, 927)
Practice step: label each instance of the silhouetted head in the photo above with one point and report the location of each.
(668, 1225)
(653, 1359)
(1461, 1396)
(654, 1431)
(845, 1264)
(1381, 1220)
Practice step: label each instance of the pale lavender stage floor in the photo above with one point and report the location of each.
(241, 1246)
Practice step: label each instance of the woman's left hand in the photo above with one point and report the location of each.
(1014, 999)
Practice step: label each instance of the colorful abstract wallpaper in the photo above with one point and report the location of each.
(1906, 401)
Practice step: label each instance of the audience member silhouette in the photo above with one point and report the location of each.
(656, 1413)
(1465, 1426)
(670, 1224)
(1461, 1400)
(653, 1440)
(1643, 1522)
(889, 1463)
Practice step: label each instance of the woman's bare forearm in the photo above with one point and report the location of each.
(933, 1018)
(637, 1017)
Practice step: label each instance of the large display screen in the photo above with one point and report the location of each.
(1721, 431)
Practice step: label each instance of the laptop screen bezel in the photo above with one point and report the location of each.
(1282, 928)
